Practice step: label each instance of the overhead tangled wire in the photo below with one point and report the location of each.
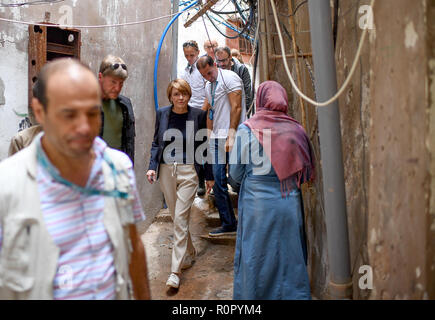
(240, 16)
(245, 26)
(28, 3)
(233, 15)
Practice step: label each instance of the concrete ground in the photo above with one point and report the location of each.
(211, 276)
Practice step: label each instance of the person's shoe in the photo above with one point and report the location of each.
(173, 281)
(222, 232)
(201, 189)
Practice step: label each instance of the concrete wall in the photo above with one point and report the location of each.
(430, 246)
(13, 76)
(400, 222)
(137, 44)
(355, 121)
(388, 138)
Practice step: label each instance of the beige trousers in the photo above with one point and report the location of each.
(179, 184)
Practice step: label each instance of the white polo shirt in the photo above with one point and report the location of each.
(197, 84)
(227, 82)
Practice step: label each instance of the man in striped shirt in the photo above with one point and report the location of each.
(68, 200)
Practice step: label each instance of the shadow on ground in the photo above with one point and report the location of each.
(210, 277)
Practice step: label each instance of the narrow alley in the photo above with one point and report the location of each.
(211, 276)
(318, 116)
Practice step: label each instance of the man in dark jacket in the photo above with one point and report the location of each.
(225, 60)
(117, 113)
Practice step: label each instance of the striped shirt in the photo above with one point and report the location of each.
(75, 222)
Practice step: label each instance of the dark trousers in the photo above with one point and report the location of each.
(223, 201)
(201, 176)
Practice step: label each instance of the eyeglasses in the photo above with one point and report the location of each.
(222, 60)
(209, 47)
(190, 44)
(117, 65)
(114, 66)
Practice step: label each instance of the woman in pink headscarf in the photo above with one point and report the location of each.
(271, 158)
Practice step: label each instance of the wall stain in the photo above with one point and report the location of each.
(2, 93)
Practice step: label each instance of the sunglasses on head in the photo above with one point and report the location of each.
(117, 65)
(190, 44)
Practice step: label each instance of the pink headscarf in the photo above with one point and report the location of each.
(290, 151)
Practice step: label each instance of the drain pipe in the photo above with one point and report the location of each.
(340, 282)
(175, 5)
(264, 64)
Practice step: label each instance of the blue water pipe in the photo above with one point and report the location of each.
(185, 3)
(156, 64)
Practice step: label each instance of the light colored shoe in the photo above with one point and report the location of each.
(173, 281)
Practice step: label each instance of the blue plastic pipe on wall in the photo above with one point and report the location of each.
(156, 64)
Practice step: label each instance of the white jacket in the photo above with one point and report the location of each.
(28, 257)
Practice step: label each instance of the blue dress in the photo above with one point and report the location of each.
(270, 257)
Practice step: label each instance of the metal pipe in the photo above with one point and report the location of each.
(264, 74)
(175, 9)
(340, 285)
(270, 47)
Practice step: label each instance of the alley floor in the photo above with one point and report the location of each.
(210, 277)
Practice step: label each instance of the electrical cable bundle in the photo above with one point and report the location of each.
(248, 28)
(220, 19)
(29, 3)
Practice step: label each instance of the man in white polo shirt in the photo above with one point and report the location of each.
(192, 75)
(225, 102)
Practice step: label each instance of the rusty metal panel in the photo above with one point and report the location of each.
(36, 57)
(62, 42)
(59, 48)
(40, 50)
(78, 44)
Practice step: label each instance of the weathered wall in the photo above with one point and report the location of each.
(137, 44)
(13, 75)
(430, 247)
(388, 141)
(399, 228)
(355, 120)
